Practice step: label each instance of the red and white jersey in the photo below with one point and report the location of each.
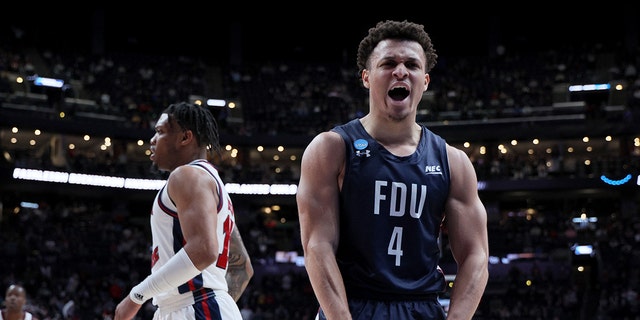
(168, 239)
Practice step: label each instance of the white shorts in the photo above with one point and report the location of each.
(220, 307)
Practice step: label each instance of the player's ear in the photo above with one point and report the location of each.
(427, 79)
(187, 135)
(364, 76)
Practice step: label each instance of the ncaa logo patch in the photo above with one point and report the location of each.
(360, 145)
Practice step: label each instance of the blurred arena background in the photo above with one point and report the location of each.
(546, 104)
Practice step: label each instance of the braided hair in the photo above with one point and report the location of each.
(400, 30)
(199, 120)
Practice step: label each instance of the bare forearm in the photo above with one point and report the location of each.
(240, 270)
(237, 280)
(468, 289)
(327, 283)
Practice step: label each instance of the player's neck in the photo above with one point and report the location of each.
(13, 315)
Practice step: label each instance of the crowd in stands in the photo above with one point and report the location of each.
(291, 98)
(77, 258)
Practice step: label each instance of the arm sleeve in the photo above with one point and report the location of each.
(178, 270)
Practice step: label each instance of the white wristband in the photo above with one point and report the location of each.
(178, 270)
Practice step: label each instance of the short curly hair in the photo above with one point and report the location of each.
(401, 30)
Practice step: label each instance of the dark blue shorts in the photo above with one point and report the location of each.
(394, 310)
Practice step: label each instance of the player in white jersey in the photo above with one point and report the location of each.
(200, 266)
(15, 299)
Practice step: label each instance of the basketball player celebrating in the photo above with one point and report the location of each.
(200, 266)
(375, 193)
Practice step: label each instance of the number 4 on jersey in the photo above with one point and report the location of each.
(395, 245)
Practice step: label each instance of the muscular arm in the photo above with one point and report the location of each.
(240, 270)
(317, 200)
(466, 221)
(196, 200)
(195, 196)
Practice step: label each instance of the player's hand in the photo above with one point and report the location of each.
(126, 309)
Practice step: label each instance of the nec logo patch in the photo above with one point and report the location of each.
(433, 170)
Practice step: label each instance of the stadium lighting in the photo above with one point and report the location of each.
(141, 184)
(48, 82)
(216, 102)
(589, 87)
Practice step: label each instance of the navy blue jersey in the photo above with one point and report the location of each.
(391, 209)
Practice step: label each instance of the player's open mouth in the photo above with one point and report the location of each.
(398, 94)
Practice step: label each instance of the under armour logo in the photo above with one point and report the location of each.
(361, 145)
(361, 153)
